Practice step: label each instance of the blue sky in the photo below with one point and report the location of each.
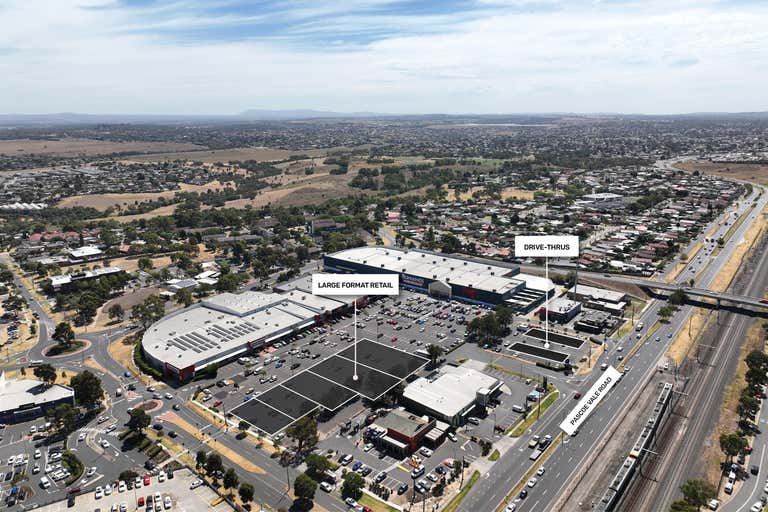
(393, 56)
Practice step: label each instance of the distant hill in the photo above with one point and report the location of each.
(262, 114)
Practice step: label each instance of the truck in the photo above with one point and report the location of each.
(536, 454)
(639, 326)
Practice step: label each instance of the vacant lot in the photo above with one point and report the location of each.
(226, 155)
(103, 201)
(71, 147)
(506, 193)
(757, 173)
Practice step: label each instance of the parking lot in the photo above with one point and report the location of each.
(177, 489)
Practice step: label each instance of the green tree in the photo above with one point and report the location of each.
(732, 445)
(434, 351)
(145, 264)
(682, 506)
(63, 335)
(46, 373)
(64, 417)
(698, 492)
(230, 479)
(352, 486)
(317, 465)
(304, 432)
(116, 312)
(757, 360)
(246, 492)
(138, 420)
(184, 297)
(304, 488)
(200, 458)
(665, 312)
(149, 311)
(213, 464)
(87, 388)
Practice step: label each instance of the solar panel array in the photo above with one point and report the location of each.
(214, 335)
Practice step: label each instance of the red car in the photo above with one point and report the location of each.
(146, 480)
(576, 396)
(218, 403)
(141, 501)
(394, 339)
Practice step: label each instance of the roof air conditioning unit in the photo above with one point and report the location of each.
(381, 265)
(493, 273)
(453, 268)
(465, 262)
(399, 258)
(434, 276)
(423, 255)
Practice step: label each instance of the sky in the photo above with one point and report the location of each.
(214, 57)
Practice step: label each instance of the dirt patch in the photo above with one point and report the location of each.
(74, 147)
(103, 201)
(221, 449)
(728, 415)
(127, 301)
(225, 155)
(688, 335)
(507, 193)
(121, 351)
(726, 275)
(757, 173)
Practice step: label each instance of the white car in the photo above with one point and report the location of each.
(38, 454)
(111, 428)
(168, 396)
(33, 429)
(99, 492)
(137, 482)
(91, 471)
(104, 443)
(35, 469)
(452, 436)
(532, 482)
(195, 484)
(367, 447)
(326, 486)
(426, 451)
(81, 437)
(107, 490)
(511, 507)
(161, 476)
(540, 471)
(756, 507)
(121, 487)
(11, 460)
(167, 502)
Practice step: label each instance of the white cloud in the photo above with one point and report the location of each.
(587, 56)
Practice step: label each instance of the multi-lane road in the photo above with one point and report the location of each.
(568, 460)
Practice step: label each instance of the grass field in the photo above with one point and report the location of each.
(757, 173)
(454, 504)
(72, 147)
(103, 201)
(374, 504)
(226, 155)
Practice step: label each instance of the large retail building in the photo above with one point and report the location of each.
(468, 279)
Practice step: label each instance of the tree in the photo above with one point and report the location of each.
(200, 458)
(434, 351)
(682, 506)
(698, 492)
(677, 297)
(64, 417)
(145, 263)
(213, 464)
(128, 474)
(757, 360)
(63, 335)
(116, 312)
(755, 377)
(317, 465)
(138, 420)
(665, 312)
(352, 486)
(46, 373)
(230, 480)
(87, 387)
(184, 297)
(304, 432)
(732, 445)
(304, 488)
(246, 492)
(149, 311)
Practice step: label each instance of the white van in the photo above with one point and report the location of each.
(45, 483)
(518, 408)
(728, 488)
(731, 477)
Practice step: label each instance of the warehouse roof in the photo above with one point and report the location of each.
(221, 325)
(25, 392)
(451, 391)
(484, 275)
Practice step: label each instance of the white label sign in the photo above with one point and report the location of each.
(355, 284)
(547, 246)
(589, 402)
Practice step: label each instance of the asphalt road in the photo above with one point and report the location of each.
(568, 459)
